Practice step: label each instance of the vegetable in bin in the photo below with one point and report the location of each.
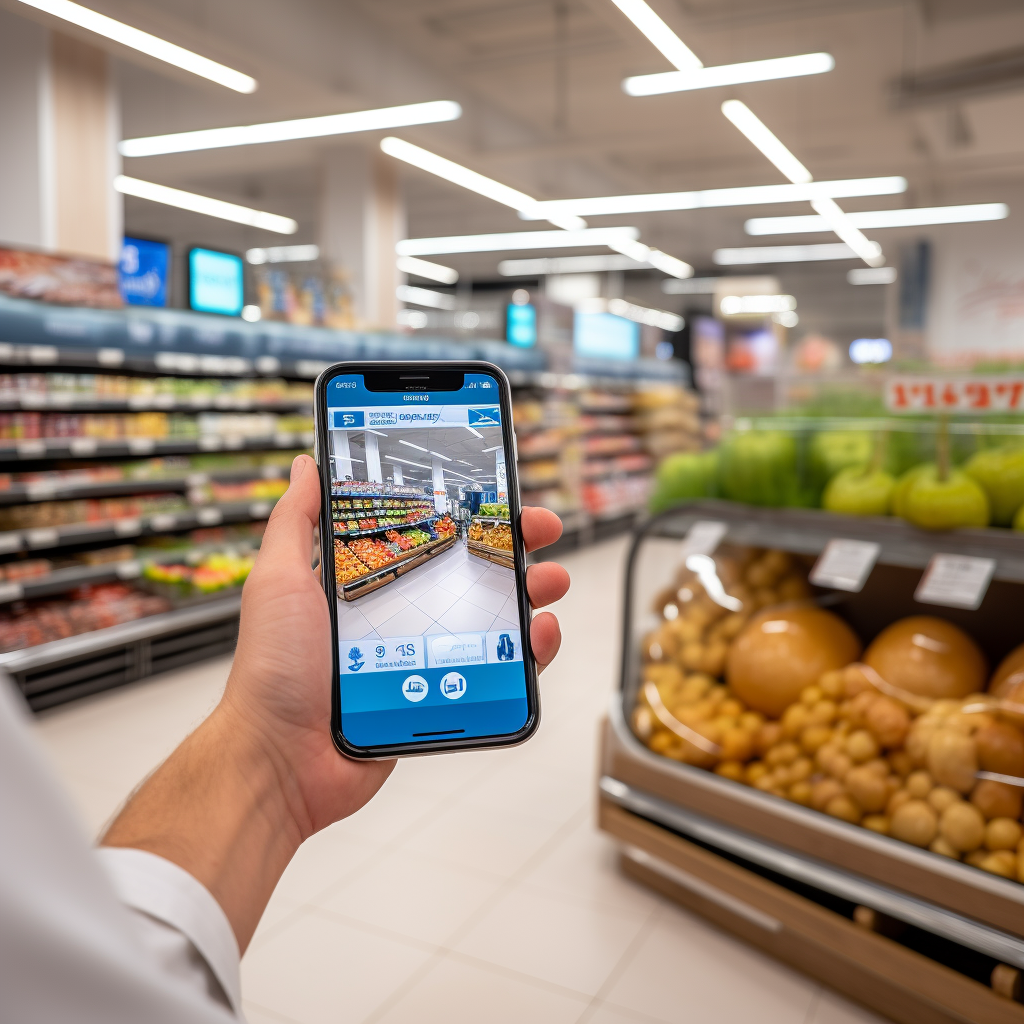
(683, 476)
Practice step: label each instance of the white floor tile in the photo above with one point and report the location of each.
(496, 579)
(456, 992)
(413, 586)
(320, 970)
(484, 597)
(381, 606)
(472, 570)
(435, 601)
(352, 623)
(563, 942)
(503, 624)
(510, 609)
(455, 584)
(466, 616)
(407, 621)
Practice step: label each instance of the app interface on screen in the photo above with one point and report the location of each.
(428, 617)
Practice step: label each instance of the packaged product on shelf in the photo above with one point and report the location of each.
(88, 510)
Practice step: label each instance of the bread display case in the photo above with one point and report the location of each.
(818, 743)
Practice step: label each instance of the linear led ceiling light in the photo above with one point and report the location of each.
(479, 183)
(881, 219)
(205, 205)
(772, 147)
(641, 253)
(424, 297)
(743, 305)
(746, 195)
(152, 46)
(644, 315)
(283, 254)
(729, 74)
(510, 240)
(782, 254)
(424, 268)
(299, 128)
(871, 275)
(691, 73)
(566, 265)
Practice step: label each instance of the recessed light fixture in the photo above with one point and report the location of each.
(729, 74)
(424, 297)
(921, 216)
(746, 195)
(283, 254)
(205, 205)
(299, 128)
(472, 180)
(782, 254)
(424, 268)
(152, 46)
(509, 240)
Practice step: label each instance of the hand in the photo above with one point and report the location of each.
(233, 803)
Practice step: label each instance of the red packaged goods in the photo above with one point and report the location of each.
(72, 280)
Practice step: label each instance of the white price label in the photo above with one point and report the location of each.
(28, 449)
(127, 527)
(44, 538)
(164, 401)
(845, 564)
(141, 445)
(40, 490)
(209, 443)
(110, 356)
(974, 395)
(234, 442)
(704, 537)
(283, 440)
(129, 570)
(260, 509)
(11, 591)
(209, 516)
(197, 479)
(84, 446)
(163, 522)
(10, 541)
(273, 473)
(956, 581)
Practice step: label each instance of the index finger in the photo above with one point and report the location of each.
(540, 527)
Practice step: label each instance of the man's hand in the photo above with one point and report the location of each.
(261, 774)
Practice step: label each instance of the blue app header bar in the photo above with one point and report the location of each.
(348, 391)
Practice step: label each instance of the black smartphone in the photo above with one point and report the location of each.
(423, 559)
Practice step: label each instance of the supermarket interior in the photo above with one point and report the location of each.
(750, 269)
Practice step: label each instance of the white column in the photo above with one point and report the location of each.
(373, 473)
(501, 476)
(397, 474)
(361, 219)
(342, 454)
(440, 491)
(59, 125)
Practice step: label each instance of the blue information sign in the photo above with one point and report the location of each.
(215, 282)
(143, 272)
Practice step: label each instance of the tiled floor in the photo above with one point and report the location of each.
(475, 887)
(454, 592)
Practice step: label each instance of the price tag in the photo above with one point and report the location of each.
(83, 446)
(163, 401)
(956, 581)
(163, 522)
(197, 479)
(703, 537)
(209, 516)
(975, 395)
(43, 354)
(28, 449)
(110, 356)
(283, 440)
(12, 591)
(45, 538)
(260, 509)
(273, 473)
(140, 401)
(845, 564)
(10, 540)
(129, 570)
(234, 442)
(40, 490)
(127, 527)
(141, 445)
(209, 443)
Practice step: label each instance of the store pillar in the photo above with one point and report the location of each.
(60, 124)
(440, 491)
(362, 218)
(373, 471)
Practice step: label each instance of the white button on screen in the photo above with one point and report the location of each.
(415, 688)
(453, 685)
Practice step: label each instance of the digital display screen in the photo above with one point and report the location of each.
(521, 325)
(605, 336)
(216, 282)
(143, 271)
(428, 614)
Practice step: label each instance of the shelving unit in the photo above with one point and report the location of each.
(377, 578)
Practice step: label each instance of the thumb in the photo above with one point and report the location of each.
(289, 536)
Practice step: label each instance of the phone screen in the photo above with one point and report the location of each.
(430, 637)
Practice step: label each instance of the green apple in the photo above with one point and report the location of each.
(1000, 471)
(937, 501)
(899, 492)
(859, 492)
(682, 476)
(833, 450)
(759, 468)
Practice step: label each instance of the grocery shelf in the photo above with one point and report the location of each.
(50, 490)
(71, 402)
(53, 537)
(76, 666)
(499, 556)
(388, 526)
(386, 573)
(491, 519)
(33, 450)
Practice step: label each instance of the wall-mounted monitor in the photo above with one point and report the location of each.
(143, 272)
(216, 282)
(521, 324)
(605, 336)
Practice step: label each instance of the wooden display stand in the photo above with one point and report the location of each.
(496, 555)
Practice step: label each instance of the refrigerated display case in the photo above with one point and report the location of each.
(817, 742)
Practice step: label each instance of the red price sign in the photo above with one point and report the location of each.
(977, 395)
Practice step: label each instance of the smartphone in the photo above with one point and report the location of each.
(423, 559)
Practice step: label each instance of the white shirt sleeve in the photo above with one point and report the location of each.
(70, 949)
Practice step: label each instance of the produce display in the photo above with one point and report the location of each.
(347, 566)
(374, 554)
(496, 535)
(444, 527)
(355, 515)
(28, 623)
(919, 472)
(747, 678)
(499, 511)
(200, 575)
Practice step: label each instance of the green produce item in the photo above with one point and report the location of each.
(934, 503)
(833, 450)
(682, 476)
(1000, 471)
(859, 491)
(760, 468)
(899, 492)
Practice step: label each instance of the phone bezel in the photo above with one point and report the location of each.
(518, 550)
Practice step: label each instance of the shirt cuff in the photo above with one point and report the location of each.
(158, 887)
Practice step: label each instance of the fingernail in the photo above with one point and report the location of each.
(298, 465)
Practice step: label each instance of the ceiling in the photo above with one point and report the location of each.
(539, 81)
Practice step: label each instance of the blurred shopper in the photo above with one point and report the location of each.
(149, 929)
